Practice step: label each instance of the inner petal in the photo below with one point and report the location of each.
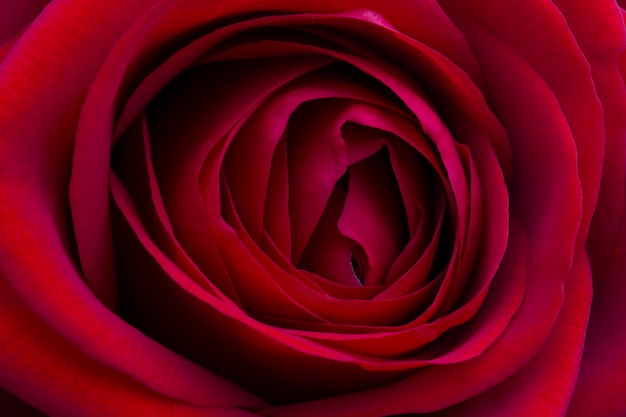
(330, 254)
(363, 228)
(374, 216)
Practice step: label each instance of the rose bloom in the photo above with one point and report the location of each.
(312, 208)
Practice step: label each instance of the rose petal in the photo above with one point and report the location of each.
(16, 407)
(247, 339)
(179, 164)
(34, 232)
(89, 183)
(328, 253)
(523, 27)
(276, 209)
(15, 16)
(603, 371)
(42, 376)
(374, 216)
(545, 384)
(317, 162)
(132, 162)
(425, 20)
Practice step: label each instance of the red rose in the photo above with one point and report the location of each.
(312, 208)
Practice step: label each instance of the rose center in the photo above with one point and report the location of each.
(363, 227)
(356, 268)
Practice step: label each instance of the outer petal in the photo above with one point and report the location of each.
(601, 36)
(13, 406)
(423, 20)
(538, 32)
(600, 387)
(14, 15)
(44, 300)
(543, 387)
(44, 369)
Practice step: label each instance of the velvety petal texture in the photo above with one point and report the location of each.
(312, 208)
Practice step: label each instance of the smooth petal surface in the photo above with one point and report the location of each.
(602, 378)
(14, 16)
